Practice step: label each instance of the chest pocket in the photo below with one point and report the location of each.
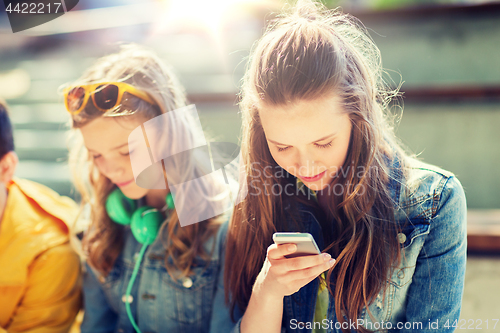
(189, 299)
(390, 302)
(113, 284)
(411, 240)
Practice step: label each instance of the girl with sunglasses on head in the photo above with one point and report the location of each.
(321, 158)
(144, 271)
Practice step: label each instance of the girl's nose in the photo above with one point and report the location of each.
(112, 170)
(305, 164)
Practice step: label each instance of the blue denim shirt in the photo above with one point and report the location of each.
(159, 303)
(424, 293)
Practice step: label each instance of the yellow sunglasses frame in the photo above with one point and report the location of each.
(91, 88)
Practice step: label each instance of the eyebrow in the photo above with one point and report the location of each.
(118, 147)
(323, 138)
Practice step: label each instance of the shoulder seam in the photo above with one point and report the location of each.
(438, 194)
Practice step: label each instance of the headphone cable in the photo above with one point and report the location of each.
(131, 283)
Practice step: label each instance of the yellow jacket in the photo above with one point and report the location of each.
(39, 271)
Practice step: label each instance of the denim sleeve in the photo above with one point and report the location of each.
(98, 316)
(435, 294)
(221, 316)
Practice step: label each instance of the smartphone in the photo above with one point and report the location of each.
(304, 241)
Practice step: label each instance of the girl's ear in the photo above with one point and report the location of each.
(8, 165)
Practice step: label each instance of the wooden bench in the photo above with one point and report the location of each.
(483, 230)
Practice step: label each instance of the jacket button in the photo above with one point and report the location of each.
(130, 299)
(120, 330)
(102, 279)
(401, 238)
(187, 283)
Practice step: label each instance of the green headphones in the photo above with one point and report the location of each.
(144, 221)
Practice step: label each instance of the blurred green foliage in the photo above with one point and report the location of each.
(331, 3)
(391, 4)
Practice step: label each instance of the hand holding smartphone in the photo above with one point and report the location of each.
(304, 241)
(288, 268)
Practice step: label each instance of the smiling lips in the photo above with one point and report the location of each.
(124, 183)
(313, 179)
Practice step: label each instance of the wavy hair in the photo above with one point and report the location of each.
(104, 240)
(6, 135)
(304, 55)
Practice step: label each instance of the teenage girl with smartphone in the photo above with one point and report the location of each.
(321, 157)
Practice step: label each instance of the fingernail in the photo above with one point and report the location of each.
(331, 262)
(326, 256)
(292, 247)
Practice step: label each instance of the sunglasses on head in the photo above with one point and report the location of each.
(105, 95)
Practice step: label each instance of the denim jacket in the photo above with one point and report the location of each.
(424, 293)
(159, 303)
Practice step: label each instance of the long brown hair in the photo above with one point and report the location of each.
(304, 55)
(104, 240)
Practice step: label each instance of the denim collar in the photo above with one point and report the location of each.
(395, 178)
